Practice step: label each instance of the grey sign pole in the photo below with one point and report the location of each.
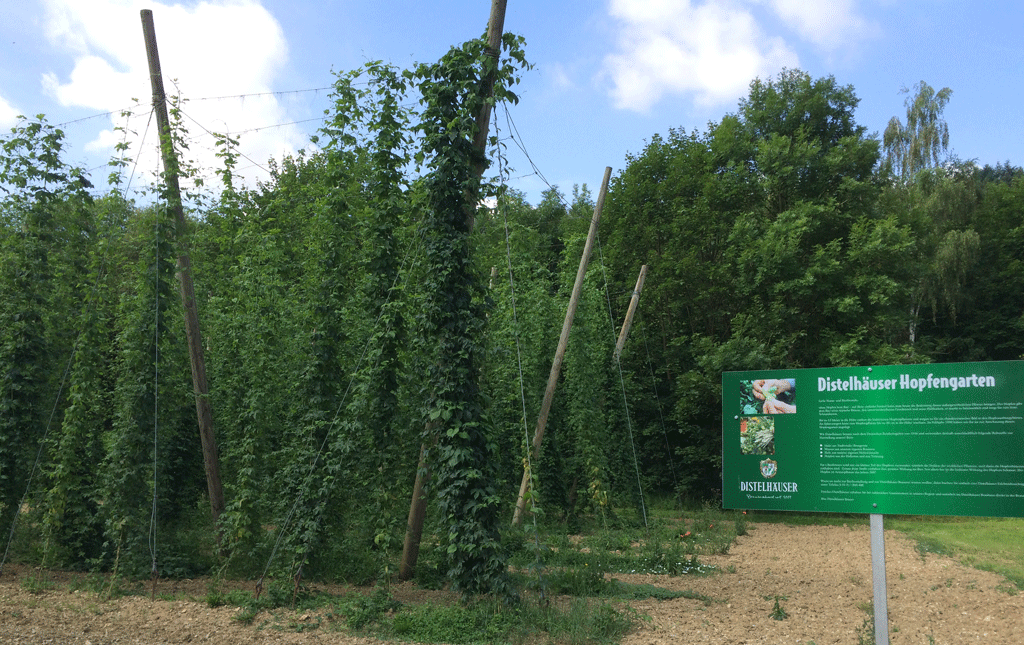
(881, 603)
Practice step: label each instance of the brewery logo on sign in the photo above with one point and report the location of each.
(769, 468)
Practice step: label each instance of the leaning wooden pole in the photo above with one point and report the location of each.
(628, 322)
(563, 343)
(418, 504)
(188, 296)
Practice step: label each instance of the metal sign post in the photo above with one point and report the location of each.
(878, 584)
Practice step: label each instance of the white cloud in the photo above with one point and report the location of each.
(828, 24)
(213, 48)
(8, 114)
(711, 50)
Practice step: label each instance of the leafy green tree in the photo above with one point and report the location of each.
(936, 201)
(972, 299)
(765, 250)
(922, 141)
(813, 176)
(996, 320)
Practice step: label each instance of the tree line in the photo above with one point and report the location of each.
(364, 307)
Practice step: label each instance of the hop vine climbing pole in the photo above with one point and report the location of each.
(172, 194)
(418, 504)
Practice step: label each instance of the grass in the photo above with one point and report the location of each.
(574, 621)
(36, 584)
(568, 591)
(989, 544)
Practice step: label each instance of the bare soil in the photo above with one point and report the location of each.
(821, 577)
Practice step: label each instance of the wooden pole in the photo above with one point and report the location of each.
(418, 504)
(188, 296)
(563, 343)
(626, 324)
(495, 29)
(417, 515)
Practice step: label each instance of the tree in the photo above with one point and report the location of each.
(920, 142)
(765, 250)
(935, 200)
(971, 286)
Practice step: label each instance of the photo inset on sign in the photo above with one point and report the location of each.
(768, 396)
(757, 436)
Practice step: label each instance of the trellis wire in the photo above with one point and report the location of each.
(156, 391)
(661, 416)
(622, 385)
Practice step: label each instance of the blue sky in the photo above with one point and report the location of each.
(608, 73)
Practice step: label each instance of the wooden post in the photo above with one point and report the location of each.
(495, 29)
(563, 343)
(418, 504)
(188, 297)
(628, 322)
(417, 515)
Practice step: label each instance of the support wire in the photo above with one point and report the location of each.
(622, 385)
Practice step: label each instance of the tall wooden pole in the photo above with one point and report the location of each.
(418, 504)
(188, 296)
(563, 343)
(495, 29)
(628, 322)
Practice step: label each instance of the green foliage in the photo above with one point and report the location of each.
(366, 610)
(347, 321)
(580, 581)
(601, 623)
(448, 624)
(770, 243)
(582, 622)
(757, 436)
(452, 317)
(43, 230)
(72, 522)
(36, 585)
(920, 142)
(866, 632)
(777, 612)
(147, 425)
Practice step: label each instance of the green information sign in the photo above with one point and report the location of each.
(941, 439)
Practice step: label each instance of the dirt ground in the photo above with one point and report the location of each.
(821, 577)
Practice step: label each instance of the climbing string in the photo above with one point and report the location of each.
(622, 386)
